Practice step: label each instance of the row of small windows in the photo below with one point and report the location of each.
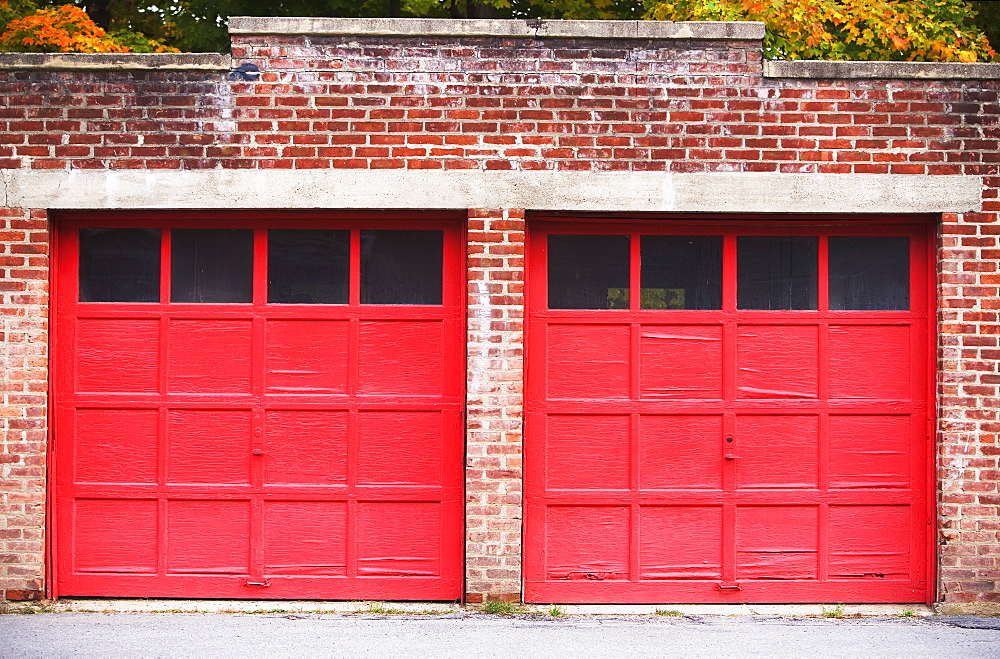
(304, 266)
(313, 266)
(685, 272)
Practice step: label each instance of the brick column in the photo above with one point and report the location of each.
(969, 413)
(24, 241)
(495, 398)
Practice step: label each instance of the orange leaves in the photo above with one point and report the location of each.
(65, 29)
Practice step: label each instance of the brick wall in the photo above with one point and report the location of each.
(23, 384)
(514, 103)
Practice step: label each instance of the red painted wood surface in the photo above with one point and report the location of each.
(258, 450)
(634, 494)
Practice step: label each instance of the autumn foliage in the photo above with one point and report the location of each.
(66, 29)
(917, 30)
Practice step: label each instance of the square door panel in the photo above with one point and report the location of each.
(870, 451)
(305, 537)
(307, 356)
(116, 446)
(401, 448)
(587, 542)
(210, 356)
(401, 357)
(587, 452)
(680, 542)
(680, 452)
(777, 542)
(208, 537)
(870, 362)
(208, 446)
(117, 355)
(776, 451)
(680, 361)
(399, 539)
(115, 535)
(305, 447)
(870, 542)
(588, 361)
(777, 361)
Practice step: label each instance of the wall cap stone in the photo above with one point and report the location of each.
(709, 30)
(116, 61)
(823, 70)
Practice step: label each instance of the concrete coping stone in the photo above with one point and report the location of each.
(116, 61)
(534, 29)
(824, 70)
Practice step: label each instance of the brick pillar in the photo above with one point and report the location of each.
(24, 241)
(969, 414)
(495, 386)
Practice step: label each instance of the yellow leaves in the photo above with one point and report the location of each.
(936, 30)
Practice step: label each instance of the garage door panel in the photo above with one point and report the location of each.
(870, 542)
(870, 362)
(208, 446)
(208, 537)
(305, 537)
(276, 419)
(99, 543)
(777, 361)
(305, 447)
(306, 356)
(401, 448)
(399, 538)
(210, 356)
(587, 452)
(587, 542)
(777, 542)
(680, 452)
(776, 451)
(398, 357)
(870, 451)
(103, 436)
(588, 361)
(117, 355)
(680, 362)
(680, 542)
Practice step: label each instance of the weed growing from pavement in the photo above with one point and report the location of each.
(668, 612)
(381, 609)
(834, 612)
(908, 613)
(502, 608)
(555, 611)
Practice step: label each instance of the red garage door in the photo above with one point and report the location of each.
(728, 413)
(258, 409)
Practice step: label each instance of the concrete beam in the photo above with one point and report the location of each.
(556, 191)
(532, 29)
(818, 70)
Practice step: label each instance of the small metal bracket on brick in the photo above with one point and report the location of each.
(247, 72)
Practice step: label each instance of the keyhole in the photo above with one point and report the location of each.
(729, 439)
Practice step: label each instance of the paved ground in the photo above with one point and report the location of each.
(468, 634)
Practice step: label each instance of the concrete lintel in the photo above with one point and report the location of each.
(819, 70)
(249, 25)
(117, 61)
(554, 191)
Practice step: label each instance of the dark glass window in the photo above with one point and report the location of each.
(211, 265)
(870, 273)
(401, 267)
(306, 266)
(776, 272)
(681, 272)
(588, 272)
(119, 265)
